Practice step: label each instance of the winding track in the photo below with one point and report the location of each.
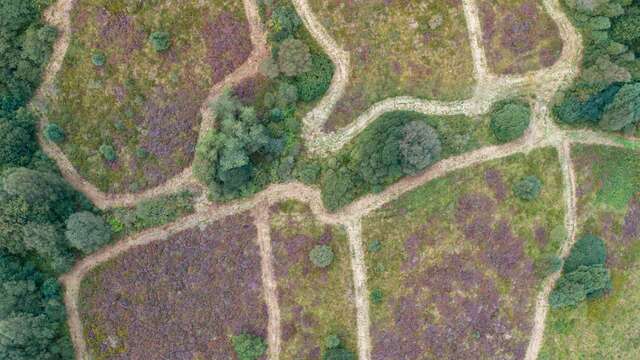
(543, 84)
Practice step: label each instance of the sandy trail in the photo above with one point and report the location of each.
(261, 213)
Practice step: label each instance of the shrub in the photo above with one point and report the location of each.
(321, 256)
(588, 250)
(624, 110)
(98, 58)
(108, 152)
(87, 232)
(528, 188)
(160, 40)
(420, 146)
(376, 296)
(586, 282)
(269, 68)
(294, 57)
(284, 23)
(162, 210)
(54, 133)
(248, 347)
(339, 354)
(315, 82)
(510, 120)
(375, 246)
(332, 341)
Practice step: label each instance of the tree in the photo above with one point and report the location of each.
(17, 144)
(160, 40)
(528, 188)
(269, 68)
(588, 250)
(54, 133)
(248, 346)
(294, 57)
(315, 82)
(510, 121)
(586, 282)
(284, 23)
(419, 146)
(624, 110)
(87, 232)
(321, 256)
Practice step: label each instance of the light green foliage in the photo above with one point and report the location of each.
(420, 147)
(248, 347)
(624, 110)
(321, 256)
(108, 152)
(528, 188)
(294, 57)
(509, 120)
(87, 232)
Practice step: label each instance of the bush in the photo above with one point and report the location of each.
(420, 146)
(376, 296)
(315, 82)
(294, 57)
(332, 341)
(528, 188)
(108, 152)
(588, 250)
(160, 40)
(339, 354)
(248, 347)
(162, 210)
(375, 246)
(54, 133)
(98, 58)
(87, 232)
(510, 120)
(321, 256)
(586, 282)
(284, 23)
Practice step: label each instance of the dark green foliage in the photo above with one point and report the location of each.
(98, 58)
(294, 57)
(527, 188)
(321, 256)
(510, 120)
(248, 347)
(108, 152)
(339, 354)
(25, 44)
(160, 40)
(284, 23)
(308, 172)
(315, 82)
(32, 316)
(54, 133)
(586, 282)
(624, 110)
(572, 111)
(17, 139)
(87, 232)
(376, 296)
(588, 250)
(419, 146)
(626, 29)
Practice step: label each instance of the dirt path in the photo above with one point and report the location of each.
(542, 302)
(59, 15)
(268, 279)
(359, 270)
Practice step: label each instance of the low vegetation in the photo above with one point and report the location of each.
(418, 48)
(606, 257)
(315, 288)
(128, 105)
(196, 295)
(455, 265)
(607, 93)
(518, 35)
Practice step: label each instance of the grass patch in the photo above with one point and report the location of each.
(417, 48)
(133, 81)
(605, 327)
(518, 36)
(462, 255)
(315, 302)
